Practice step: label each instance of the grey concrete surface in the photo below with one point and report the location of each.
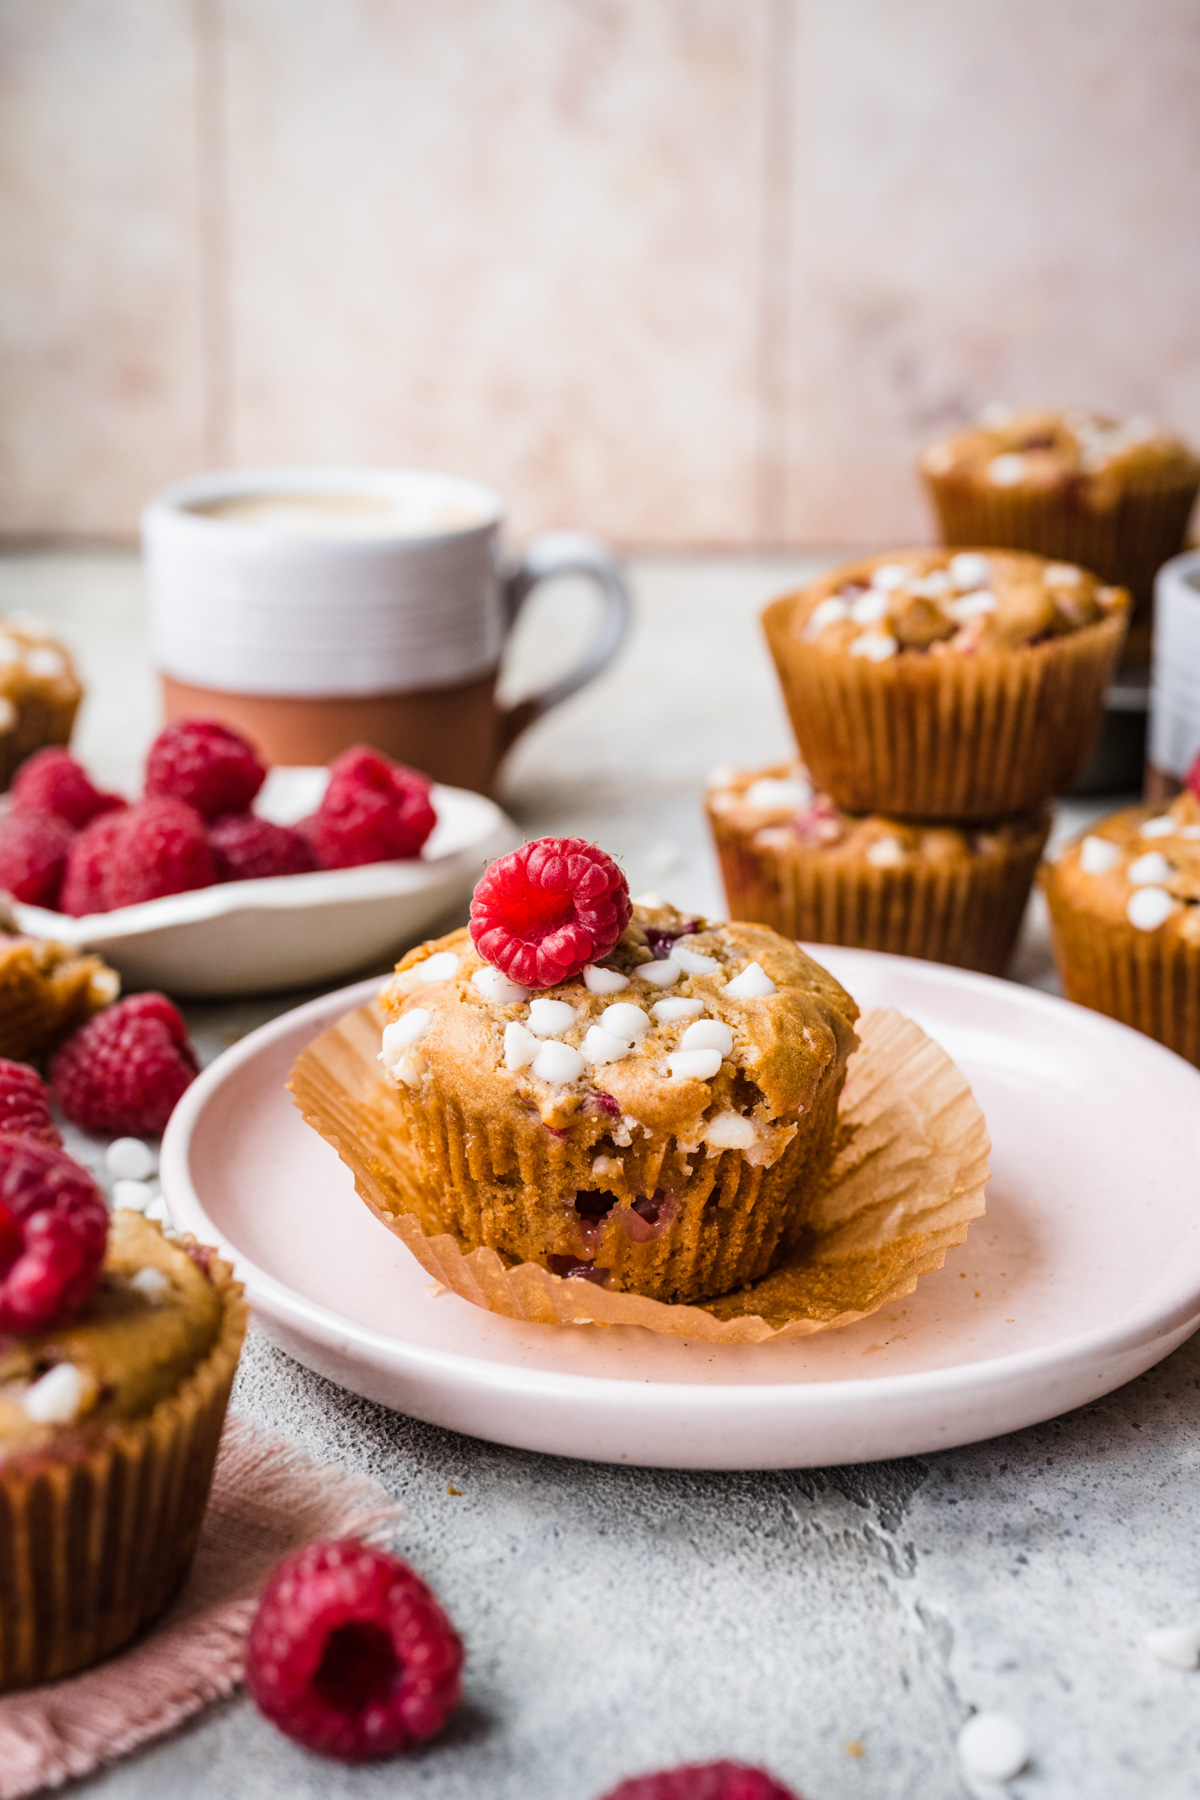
(836, 1625)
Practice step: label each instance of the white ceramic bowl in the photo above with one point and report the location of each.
(257, 937)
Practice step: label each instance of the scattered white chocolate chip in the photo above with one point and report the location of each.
(1006, 471)
(604, 981)
(887, 578)
(520, 1046)
(752, 984)
(159, 1213)
(1150, 870)
(498, 987)
(150, 1282)
(659, 974)
(57, 1398)
(133, 1196)
(550, 1018)
(1163, 826)
(870, 607)
(130, 1158)
(1176, 1645)
(827, 612)
(992, 1747)
(1062, 575)
(975, 605)
(557, 1063)
(694, 1065)
(1149, 908)
(625, 1021)
(886, 853)
(600, 1046)
(1098, 855)
(45, 662)
(402, 1034)
(667, 1011)
(931, 586)
(769, 794)
(730, 1131)
(441, 967)
(969, 569)
(693, 962)
(708, 1034)
(876, 646)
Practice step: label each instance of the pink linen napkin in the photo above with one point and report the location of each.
(268, 1498)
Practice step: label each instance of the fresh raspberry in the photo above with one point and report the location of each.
(374, 810)
(350, 1654)
(158, 847)
(547, 910)
(53, 782)
(53, 1233)
(25, 1104)
(206, 764)
(704, 1781)
(33, 855)
(247, 847)
(1193, 777)
(125, 1070)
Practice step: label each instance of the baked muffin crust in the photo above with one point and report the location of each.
(1095, 456)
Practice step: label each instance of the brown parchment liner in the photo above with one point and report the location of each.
(905, 1183)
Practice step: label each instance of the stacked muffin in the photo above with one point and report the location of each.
(939, 699)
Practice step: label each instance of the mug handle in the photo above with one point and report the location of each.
(565, 553)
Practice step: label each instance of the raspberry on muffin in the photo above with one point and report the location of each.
(53, 1233)
(543, 913)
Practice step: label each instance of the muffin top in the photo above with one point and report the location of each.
(150, 1321)
(779, 809)
(33, 662)
(711, 1033)
(1140, 866)
(1076, 448)
(949, 603)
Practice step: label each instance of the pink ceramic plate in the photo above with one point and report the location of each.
(1085, 1271)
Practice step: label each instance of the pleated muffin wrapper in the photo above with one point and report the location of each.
(98, 1527)
(948, 737)
(966, 910)
(907, 1177)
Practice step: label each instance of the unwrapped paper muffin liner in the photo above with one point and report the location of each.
(1147, 979)
(98, 1530)
(906, 1179)
(945, 737)
(966, 911)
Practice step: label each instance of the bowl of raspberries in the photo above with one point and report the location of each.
(226, 877)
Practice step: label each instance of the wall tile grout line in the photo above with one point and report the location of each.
(212, 172)
(774, 337)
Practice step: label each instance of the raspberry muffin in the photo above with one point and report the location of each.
(1074, 485)
(117, 1352)
(40, 692)
(630, 1095)
(934, 684)
(793, 860)
(1125, 914)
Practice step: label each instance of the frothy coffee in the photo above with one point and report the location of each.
(347, 515)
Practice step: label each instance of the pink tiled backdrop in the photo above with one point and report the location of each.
(687, 272)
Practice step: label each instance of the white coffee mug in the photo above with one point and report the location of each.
(316, 608)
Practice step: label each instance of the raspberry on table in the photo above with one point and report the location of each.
(374, 810)
(248, 848)
(547, 910)
(53, 1234)
(125, 1070)
(155, 848)
(51, 781)
(350, 1653)
(211, 767)
(25, 1104)
(704, 1781)
(33, 856)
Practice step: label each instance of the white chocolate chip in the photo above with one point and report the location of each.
(57, 1398)
(708, 1034)
(659, 974)
(1163, 826)
(876, 646)
(887, 578)
(975, 605)
(10, 650)
(45, 662)
(411, 1069)
(604, 981)
(520, 1046)
(995, 415)
(557, 1063)
(1006, 471)
(133, 1196)
(694, 1065)
(828, 612)
(669, 1010)
(8, 714)
(768, 795)
(1189, 831)
(625, 1021)
(1062, 575)
(402, 1034)
(159, 1213)
(442, 967)
(1176, 1645)
(498, 987)
(730, 1131)
(550, 1018)
(870, 607)
(931, 586)
(1149, 908)
(886, 853)
(969, 569)
(693, 962)
(752, 984)
(651, 900)
(992, 1747)
(150, 1282)
(1150, 870)
(1097, 855)
(600, 1046)
(131, 1158)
